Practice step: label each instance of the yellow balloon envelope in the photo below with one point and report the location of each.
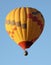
(24, 25)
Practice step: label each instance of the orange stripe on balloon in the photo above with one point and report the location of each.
(12, 36)
(12, 32)
(14, 28)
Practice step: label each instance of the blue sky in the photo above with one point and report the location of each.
(40, 52)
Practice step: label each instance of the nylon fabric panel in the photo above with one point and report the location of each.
(23, 22)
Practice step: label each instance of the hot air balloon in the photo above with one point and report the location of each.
(24, 25)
